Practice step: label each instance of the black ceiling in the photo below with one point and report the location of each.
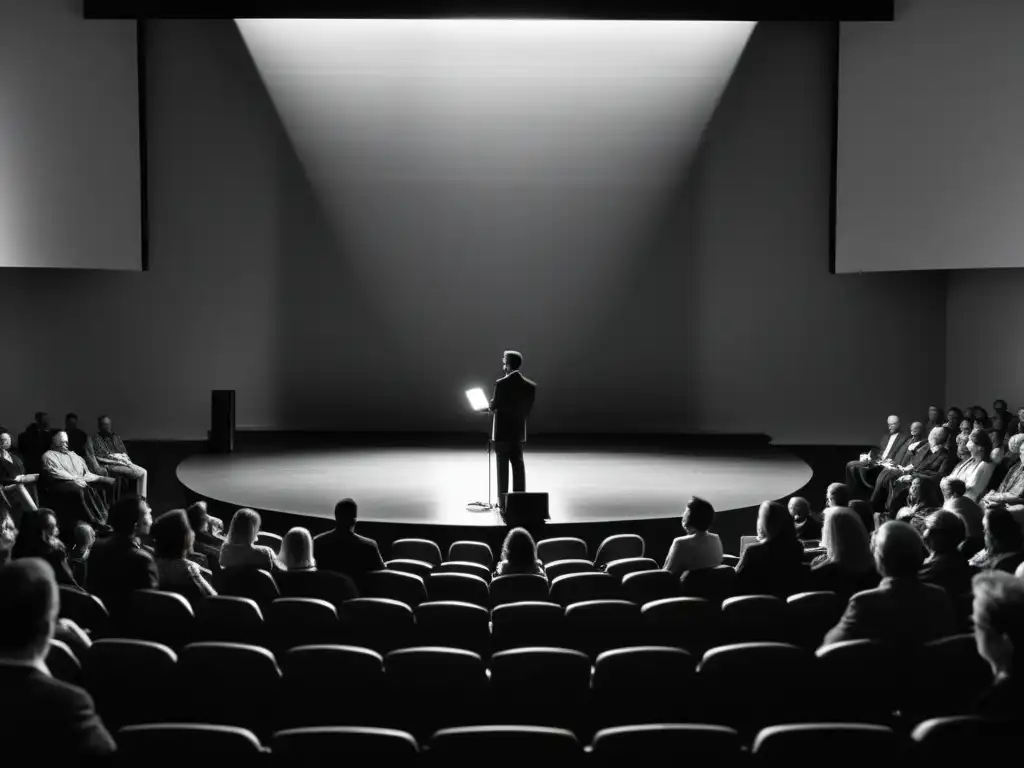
(725, 10)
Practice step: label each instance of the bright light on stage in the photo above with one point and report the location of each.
(477, 399)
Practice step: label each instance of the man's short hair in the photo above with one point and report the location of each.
(701, 513)
(514, 359)
(345, 512)
(100, 419)
(1002, 529)
(840, 494)
(125, 514)
(999, 606)
(945, 531)
(999, 405)
(39, 416)
(953, 486)
(940, 433)
(28, 594)
(198, 517)
(899, 549)
(71, 416)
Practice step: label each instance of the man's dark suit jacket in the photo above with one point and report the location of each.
(902, 438)
(347, 552)
(951, 572)
(118, 565)
(934, 465)
(901, 613)
(513, 399)
(46, 722)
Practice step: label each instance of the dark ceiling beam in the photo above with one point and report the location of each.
(724, 10)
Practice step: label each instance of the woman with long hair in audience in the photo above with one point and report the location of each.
(999, 635)
(298, 575)
(848, 566)
(297, 551)
(38, 536)
(923, 498)
(240, 550)
(966, 427)
(774, 564)
(172, 543)
(1004, 541)
(17, 485)
(519, 555)
(976, 470)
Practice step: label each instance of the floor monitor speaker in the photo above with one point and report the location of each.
(222, 421)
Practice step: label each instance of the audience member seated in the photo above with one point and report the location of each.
(69, 484)
(172, 541)
(954, 417)
(698, 548)
(977, 469)
(1000, 408)
(966, 427)
(240, 550)
(946, 565)
(207, 543)
(519, 554)
(76, 437)
(8, 534)
(980, 419)
(18, 486)
(1010, 490)
(905, 459)
(808, 527)
(999, 632)
(108, 449)
(836, 495)
(81, 544)
(902, 611)
(847, 566)
(861, 474)
(923, 498)
(774, 564)
(42, 721)
(998, 437)
(935, 418)
(38, 536)
(299, 576)
(118, 564)
(343, 550)
(35, 441)
(967, 510)
(934, 463)
(1004, 541)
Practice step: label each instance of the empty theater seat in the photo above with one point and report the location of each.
(562, 548)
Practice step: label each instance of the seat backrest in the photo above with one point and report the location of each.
(86, 610)
(380, 623)
(692, 623)
(517, 587)
(810, 615)
(230, 619)
(539, 670)
(516, 745)
(642, 587)
(254, 583)
(321, 746)
(163, 617)
(702, 744)
(122, 675)
(228, 664)
(594, 626)
(268, 539)
(416, 549)
(395, 585)
(434, 668)
(458, 586)
(618, 547)
(628, 565)
(464, 566)
(857, 743)
(454, 624)
(714, 584)
(956, 740)
(416, 567)
(473, 552)
(581, 587)
(325, 666)
(63, 663)
(142, 742)
(646, 667)
(516, 625)
(754, 618)
(557, 568)
(295, 621)
(562, 548)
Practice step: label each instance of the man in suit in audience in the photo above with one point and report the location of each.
(345, 551)
(42, 720)
(934, 462)
(34, 442)
(1010, 421)
(511, 405)
(956, 501)
(118, 564)
(861, 474)
(902, 612)
(903, 461)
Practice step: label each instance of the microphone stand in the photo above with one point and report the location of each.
(485, 506)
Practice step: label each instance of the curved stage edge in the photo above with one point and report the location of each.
(421, 485)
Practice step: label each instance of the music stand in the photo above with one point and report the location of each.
(480, 404)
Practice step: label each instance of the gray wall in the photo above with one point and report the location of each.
(727, 320)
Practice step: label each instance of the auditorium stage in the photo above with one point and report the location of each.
(414, 483)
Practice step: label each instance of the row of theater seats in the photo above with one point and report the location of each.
(744, 686)
(945, 741)
(382, 624)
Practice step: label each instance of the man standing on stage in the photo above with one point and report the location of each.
(513, 398)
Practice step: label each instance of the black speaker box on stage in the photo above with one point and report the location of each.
(526, 509)
(222, 421)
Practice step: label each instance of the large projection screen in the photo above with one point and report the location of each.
(930, 167)
(70, 167)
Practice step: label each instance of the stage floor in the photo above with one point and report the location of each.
(418, 485)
